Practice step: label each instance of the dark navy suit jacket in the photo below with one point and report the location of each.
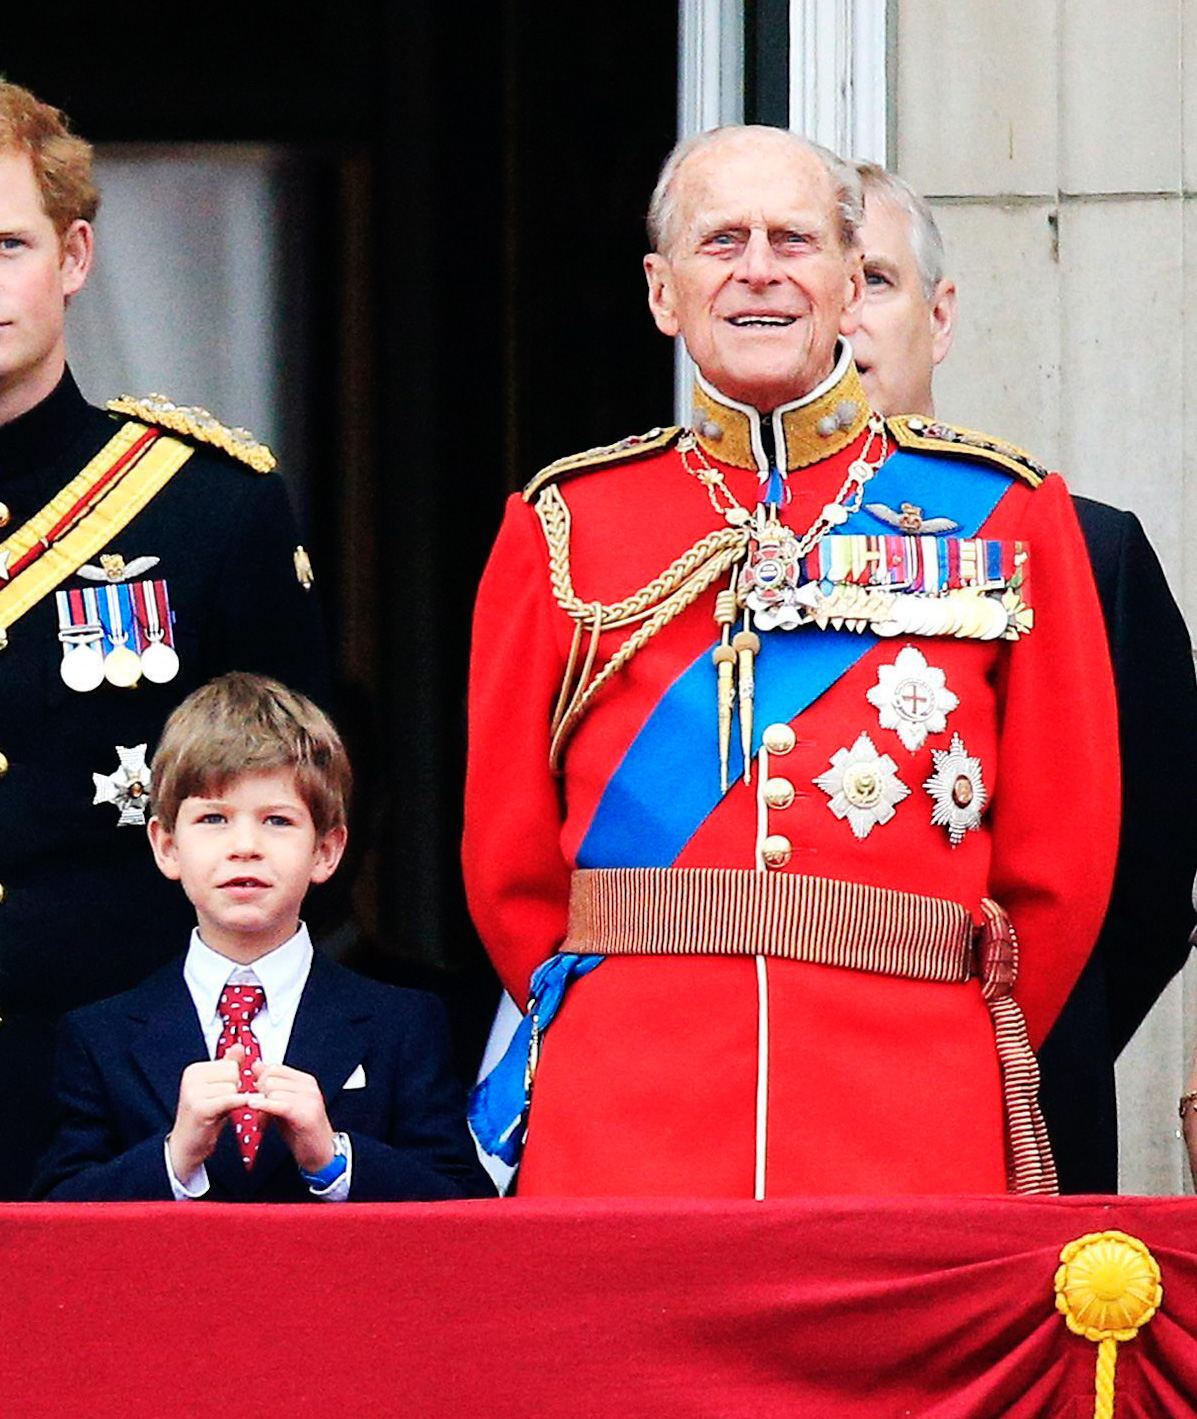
(117, 1086)
(1144, 940)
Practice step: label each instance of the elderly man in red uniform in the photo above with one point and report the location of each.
(782, 726)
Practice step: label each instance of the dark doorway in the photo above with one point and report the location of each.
(469, 236)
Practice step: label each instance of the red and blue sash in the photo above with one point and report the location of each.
(657, 799)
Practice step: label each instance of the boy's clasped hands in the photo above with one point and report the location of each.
(210, 1092)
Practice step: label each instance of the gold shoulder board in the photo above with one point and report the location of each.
(197, 424)
(606, 456)
(922, 435)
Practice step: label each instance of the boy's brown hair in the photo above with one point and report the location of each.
(246, 724)
(61, 160)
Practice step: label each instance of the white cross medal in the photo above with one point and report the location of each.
(863, 786)
(912, 697)
(958, 790)
(128, 787)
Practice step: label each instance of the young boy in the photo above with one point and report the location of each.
(253, 1068)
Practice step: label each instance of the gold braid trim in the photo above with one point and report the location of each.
(196, 423)
(650, 609)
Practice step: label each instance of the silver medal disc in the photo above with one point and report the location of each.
(82, 668)
(159, 662)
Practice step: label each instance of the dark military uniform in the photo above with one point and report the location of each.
(1144, 940)
(84, 913)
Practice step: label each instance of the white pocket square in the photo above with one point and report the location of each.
(357, 1080)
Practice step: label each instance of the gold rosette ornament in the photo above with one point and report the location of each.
(1107, 1288)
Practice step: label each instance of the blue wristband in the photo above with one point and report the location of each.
(332, 1170)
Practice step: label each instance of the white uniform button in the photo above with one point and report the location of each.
(3, 764)
(779, 792)
(5, 515)
(779, 738)
(777, 850)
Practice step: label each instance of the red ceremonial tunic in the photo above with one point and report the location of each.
(705, 1076)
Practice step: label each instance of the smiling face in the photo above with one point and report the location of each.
(903, 334)
(38, 272)
(756, 280)
(246, 856)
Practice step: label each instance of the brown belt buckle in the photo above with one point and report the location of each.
(995, 951)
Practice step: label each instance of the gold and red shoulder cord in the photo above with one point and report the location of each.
(650, 609)
(83, 516)
(82, 505)
(658, 602)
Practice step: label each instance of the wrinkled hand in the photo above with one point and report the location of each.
(294, 1099)
(208, 1094)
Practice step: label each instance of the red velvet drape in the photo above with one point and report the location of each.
(939, 1308)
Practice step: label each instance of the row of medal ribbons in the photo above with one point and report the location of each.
(116, 633)
(912, 563)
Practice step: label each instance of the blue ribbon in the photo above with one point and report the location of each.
(499, 1104)
(656, 800)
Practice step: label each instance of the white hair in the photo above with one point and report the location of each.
(663, 209)
(925, 240)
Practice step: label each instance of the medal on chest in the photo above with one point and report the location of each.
(957, 789)
(912, 698)
(116, 632)
(766, 588)
(863, 786)
(769, 579)
(128, 787)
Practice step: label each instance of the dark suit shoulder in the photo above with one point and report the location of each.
(1100, 514)
(1103, 523)
(377, 996)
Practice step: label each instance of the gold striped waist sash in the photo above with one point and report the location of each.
(717, 911)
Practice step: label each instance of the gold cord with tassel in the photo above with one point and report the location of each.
(725, 662)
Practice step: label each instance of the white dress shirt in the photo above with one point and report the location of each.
(282, 974)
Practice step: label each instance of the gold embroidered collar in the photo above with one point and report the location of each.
(809, 429)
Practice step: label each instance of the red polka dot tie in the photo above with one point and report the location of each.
(238, 1006)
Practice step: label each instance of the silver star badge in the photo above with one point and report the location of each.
(863, 786)
(958, 790)
(128, 787)
(913, 698)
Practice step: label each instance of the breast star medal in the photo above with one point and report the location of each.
(958, 790)
(912, 697)
(863, 786)
(128, 787)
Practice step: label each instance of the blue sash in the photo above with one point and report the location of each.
(499, 1104)
(660, 795)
